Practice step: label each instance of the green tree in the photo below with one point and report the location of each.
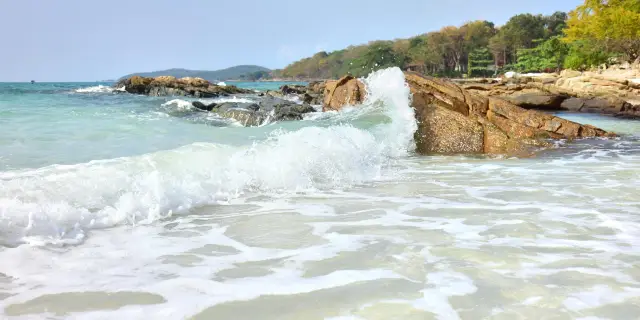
(479, 61)
(499, 47)
(549, 55)
(521, 30)
(610, 24)
(586, 53)
(555, 23)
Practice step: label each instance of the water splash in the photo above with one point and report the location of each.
(59, 203)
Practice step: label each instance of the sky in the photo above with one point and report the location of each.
(82, 40)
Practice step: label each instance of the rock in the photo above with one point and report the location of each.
(226, 106)
(306, 94)
(202, 106)
(245, 117)
(288, 112)
(610, 106)
(339, 93)
(609, 92)
(452, 120)
(312, 98)
(316, 87)
(170, 86)
(273, 93)
(600, 105)
(544, 101)
(268, 109)
(570, 73)
(572, 104)
(293, 89)
(444, 131)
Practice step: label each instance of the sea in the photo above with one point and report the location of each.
(120, 206)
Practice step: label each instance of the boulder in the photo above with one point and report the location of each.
(316, 87)
(202, 106)
(532, 100)
(307, 94)
(607, 93)
(570, 73)
(293, 89)
(268, 109)
(170, 86)
(572, 104)
(613, 106)
(452, 121)
(345, 91)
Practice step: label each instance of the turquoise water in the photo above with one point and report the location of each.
(50, 123)
(116, 206)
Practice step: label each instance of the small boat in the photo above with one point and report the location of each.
(33, 81)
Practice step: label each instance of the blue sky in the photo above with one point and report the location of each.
(75, 40)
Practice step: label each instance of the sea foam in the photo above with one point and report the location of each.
(59, 203)
(98, 89)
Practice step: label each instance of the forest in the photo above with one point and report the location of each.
(595, 33)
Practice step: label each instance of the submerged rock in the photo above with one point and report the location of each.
(205, 107)
(310, 94)
(267, 109)
(171, 86)
(452, 120)
(293, 89)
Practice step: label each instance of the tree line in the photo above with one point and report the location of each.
(596, 32)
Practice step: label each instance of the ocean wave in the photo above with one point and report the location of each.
(179, 104)
(58, 204)
(98, 89)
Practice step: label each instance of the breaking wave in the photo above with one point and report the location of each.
(99, 89)
(59, 203)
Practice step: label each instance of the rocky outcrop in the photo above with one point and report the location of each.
(170, 86)
(614, 92)
(345, 91)
(310, 94)
(267, 109)
(452, 120)
(537, 100)
(205, 107)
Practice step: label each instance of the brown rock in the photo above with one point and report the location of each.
(346, 91)
(609, 105)
(452, 120)
(443, 131)
(170, 86)
(316, 87)
(593, 92)
(545, 101)
(195, 82)
(572, 104)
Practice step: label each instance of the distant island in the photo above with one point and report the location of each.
(242, 72)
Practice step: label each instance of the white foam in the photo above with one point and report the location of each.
(98, 89)
(179, 104)
(58, 203)
(228, 99)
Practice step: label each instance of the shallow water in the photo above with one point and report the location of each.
(328, 218)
